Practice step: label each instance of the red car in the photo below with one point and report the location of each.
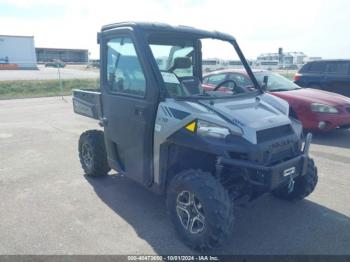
(317, 110)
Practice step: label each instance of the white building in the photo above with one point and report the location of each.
(17, 52)
(312, 58)
(236, 64)
(267, 64)
(293, 58)
(281, 60)
(212, 64)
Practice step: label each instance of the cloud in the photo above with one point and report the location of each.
(315, 27)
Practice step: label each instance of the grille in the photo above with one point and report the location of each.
(273, 133)
(282, 154)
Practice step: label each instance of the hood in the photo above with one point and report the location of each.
(310, 95)
(251, 114)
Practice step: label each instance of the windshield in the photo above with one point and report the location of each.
(169, 57)
(166, 54)
(275, 82)
(177, 60)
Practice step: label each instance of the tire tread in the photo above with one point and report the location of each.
(100, 163)
(217, 200)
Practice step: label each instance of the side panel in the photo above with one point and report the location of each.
(338, 83)
(168, 121)
(87, 103)
(173, 115)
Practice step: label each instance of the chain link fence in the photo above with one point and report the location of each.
(50, 79)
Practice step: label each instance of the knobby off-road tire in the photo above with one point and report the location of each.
(92, 153)
(304, 185)
(210, 201)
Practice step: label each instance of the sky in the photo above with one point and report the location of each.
(317, 28)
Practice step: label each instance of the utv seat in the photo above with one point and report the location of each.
(192, 84)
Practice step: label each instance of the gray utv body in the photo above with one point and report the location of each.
(152, 138)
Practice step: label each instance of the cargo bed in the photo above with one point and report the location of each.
(87, 103)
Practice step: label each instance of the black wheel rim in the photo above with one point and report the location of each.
(190, 212)
(87, 155)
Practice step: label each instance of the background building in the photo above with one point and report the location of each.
(267, 64)
(17, 52)
(287, 60)
(212, 64)
(63, 54)
(312, 58)
(293, 58)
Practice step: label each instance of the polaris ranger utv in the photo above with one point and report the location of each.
(203, 150)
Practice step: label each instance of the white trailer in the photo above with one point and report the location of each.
(17, 52)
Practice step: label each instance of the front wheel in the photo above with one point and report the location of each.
(304, 185)
(200, 209)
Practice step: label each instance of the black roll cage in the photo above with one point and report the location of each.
(183, 33)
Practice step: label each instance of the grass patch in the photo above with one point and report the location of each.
(41, 88)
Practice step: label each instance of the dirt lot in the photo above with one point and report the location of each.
(49, 207)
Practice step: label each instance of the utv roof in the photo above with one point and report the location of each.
(166, 28)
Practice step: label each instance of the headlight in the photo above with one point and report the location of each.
(322, 108)
(205, 128)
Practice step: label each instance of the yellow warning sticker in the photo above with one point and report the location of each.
(191, 126)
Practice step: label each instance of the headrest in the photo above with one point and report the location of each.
(182, 63)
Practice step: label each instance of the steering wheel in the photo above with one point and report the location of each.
(226, 82)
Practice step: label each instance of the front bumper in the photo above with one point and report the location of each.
(270, 177)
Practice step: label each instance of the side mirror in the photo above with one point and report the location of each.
(265, 81)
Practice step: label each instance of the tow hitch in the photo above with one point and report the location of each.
(289, 172)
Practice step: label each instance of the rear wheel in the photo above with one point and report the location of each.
(92, 153)
(304, 185)
(200, 209)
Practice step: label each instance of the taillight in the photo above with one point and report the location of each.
(297, 77)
